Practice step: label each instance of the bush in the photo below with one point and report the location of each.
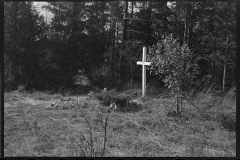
(175, 64)
(120, 99)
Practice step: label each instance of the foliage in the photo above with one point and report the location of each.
(102, 77)
(175, 64)
(207, 38)
(105, 37)
(23, 37)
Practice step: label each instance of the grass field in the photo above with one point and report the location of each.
(32, 127)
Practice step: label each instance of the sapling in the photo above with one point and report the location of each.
(174, 63)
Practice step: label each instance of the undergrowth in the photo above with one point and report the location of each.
(207, 127)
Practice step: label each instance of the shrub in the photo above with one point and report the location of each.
(87, 145)
(175, 64)
(120, 99)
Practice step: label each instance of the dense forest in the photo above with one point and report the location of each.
(105, 39)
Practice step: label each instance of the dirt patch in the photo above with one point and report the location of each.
(30, 101)
(79, 98)
(13, 101)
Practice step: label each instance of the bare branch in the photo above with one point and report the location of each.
(80, 146)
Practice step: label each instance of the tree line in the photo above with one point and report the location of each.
(106, 38)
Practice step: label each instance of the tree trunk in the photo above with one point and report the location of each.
(110, 28)
(124, 24)
(110, 35)
(123, 37)
(131, 33)
(131, 82)
(117, 33)
(71, 70)
(185, 29)
(113, 32)
(189, 11)
(189, 19)
(166, 20)
(225, 65)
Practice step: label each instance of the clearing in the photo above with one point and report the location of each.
(34, 127)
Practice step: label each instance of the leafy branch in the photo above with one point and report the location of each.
(173, 62)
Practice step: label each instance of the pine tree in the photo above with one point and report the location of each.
(23, 29)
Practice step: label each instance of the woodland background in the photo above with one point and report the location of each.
(105, 39)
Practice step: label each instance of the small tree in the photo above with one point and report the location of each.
(175, 64)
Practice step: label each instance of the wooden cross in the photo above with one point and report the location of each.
(144, 64)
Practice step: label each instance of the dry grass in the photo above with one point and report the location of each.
(39, 130)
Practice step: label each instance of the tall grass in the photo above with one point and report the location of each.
(206, 127)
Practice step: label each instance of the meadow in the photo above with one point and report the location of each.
(82, 126)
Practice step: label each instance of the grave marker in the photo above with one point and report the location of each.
(144, 64)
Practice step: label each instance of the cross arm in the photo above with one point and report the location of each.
(143, 63)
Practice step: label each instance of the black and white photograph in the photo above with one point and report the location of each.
(119, 79)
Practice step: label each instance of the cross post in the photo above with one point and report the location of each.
(144, 64)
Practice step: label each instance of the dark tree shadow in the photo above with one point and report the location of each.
(131, 107)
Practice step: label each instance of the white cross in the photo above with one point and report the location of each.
(144, 64)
